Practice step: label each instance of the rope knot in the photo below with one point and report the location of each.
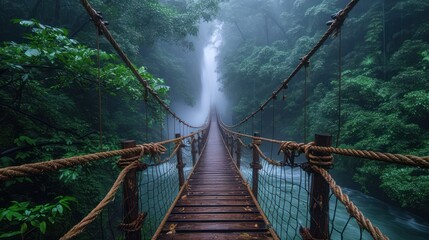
(317, 158)
(135, 225)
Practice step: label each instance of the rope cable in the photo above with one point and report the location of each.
(100, 115)
(337, 22)
(98, 21)
(339, 85)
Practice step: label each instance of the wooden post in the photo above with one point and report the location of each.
(319, 195)
(193, 151)
(180, 164)
(238, 152)
(255, 164)
(131, 194)
(199, 143)
(232, 146)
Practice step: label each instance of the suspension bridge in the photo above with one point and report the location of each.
(218, 183)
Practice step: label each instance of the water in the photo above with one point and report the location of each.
(283, 195)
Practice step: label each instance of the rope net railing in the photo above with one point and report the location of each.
(148, 181)
(289, 178)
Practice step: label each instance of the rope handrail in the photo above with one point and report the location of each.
(267, 159)
(78, 228)
(307, 148)
(24, 170)
(103, 29)
(304, 60)
(350, 206)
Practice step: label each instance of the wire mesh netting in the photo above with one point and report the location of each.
(158, 187)
(284, 196)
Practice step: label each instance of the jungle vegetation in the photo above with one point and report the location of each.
(49, 90)
(384, 62)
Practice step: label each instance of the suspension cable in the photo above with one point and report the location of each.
(103, 29)
(339, 86)
(331, 30)
(100, 115)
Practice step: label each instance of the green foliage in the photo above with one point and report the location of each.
(28, 219)
(384, 103)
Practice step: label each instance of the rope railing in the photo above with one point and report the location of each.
(308, 148)
(29, 169)
(272, 174)
(78, 228)
(130, 161)
(364, 222)
(333, 28)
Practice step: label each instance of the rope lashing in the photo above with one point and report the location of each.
(135, 225)
(351, 208)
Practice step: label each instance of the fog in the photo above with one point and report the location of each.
(210, 95)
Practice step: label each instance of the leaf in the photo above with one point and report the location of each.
(42, 227)
(32, 52)
(24, 228)
(10, 234)
(60, 209)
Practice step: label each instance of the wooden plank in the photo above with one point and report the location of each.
(216, 226)
(214, 235)
(215, 209)
(197, 202)
(216, 217)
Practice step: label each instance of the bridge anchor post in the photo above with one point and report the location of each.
(131, 195)
(193, 150)
(180, 164)
(238, 152)
(255, 164)
(319, 193)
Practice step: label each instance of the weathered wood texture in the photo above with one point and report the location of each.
(215, 204)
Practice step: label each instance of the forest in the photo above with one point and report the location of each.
(64, 92)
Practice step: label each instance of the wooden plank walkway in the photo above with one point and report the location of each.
(215, 203)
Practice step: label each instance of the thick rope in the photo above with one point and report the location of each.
(103, 29)
(351, 208)
(78, 228)
(54, 165)
(304, 60)
(410, 160)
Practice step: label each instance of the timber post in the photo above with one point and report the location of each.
(180, 164)
(131, 194)
(232, 146)
(319, 193)
(193, 150)
(238, 152)
(255, 164)
(199, 143)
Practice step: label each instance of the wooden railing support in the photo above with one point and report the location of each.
(131, 195)
(180, 164)
(231, 145)
(193, 151)
(238, 152)
(255, 164)
(319, 194)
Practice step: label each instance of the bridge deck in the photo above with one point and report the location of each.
(215, 204)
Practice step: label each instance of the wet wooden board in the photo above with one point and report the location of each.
(216, 204)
